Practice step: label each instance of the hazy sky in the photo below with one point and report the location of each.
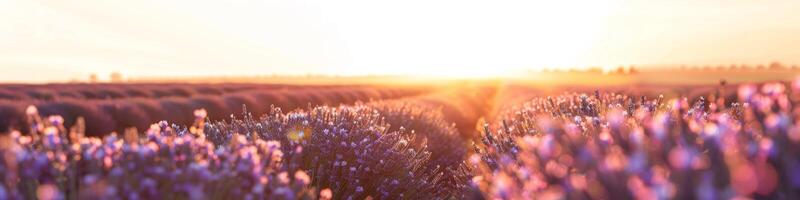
(56, 40)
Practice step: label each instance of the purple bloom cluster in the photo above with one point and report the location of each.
(352, 150)
(163, 163)
(614, 146)
(428, 129)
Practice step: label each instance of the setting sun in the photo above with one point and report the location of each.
(466, 38)
(70, 40)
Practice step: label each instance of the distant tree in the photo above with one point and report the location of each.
(620, 70)
(116, 77)
(632, 70)
(775, 65)
(92, 78)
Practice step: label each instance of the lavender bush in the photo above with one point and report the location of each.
(350, 149)
(428, 129)
(163, 163)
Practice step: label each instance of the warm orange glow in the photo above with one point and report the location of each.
(62, 40)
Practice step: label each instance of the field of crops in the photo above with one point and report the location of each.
(114, 107)
(466, 140)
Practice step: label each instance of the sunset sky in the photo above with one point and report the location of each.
(56, 40)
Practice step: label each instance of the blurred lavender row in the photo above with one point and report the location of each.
(614, 146)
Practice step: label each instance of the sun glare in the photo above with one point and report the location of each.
(470, 39)
(433, 38)
(443, 38)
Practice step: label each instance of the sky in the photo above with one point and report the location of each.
(56, 40)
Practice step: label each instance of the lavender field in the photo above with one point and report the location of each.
(477, 141)
(412, 99)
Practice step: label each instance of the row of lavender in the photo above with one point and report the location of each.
(102, 91)
(346, 152)
(164, 163)
(116, 114)
(614, 146)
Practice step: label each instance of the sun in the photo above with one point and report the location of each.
(468, 40)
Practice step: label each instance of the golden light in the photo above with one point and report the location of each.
(441, 38)
(299, 133)
(467, 38)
